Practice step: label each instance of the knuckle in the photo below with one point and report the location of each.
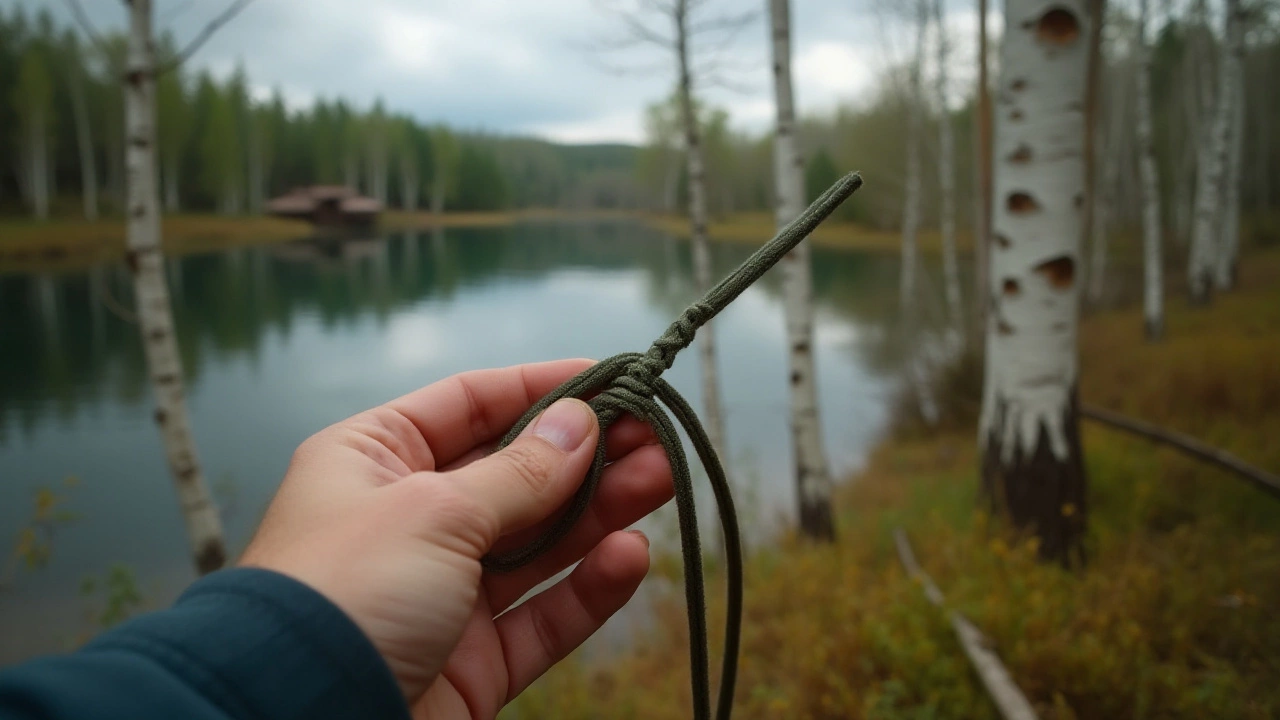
(529, 465)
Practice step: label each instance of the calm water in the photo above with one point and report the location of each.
(280, 341)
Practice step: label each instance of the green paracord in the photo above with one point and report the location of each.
(632, 383)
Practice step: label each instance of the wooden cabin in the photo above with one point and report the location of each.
(327, 205)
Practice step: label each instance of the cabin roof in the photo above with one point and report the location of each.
(306, 200)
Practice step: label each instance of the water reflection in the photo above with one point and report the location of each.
(279, 341)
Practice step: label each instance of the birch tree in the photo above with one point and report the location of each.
(982, 214)
(73, 62)
(33, 98)
(1029, 428)
(444, 156)
(1229, 241)
(1102, 198)
(947, 173)
(1209, 186)
(174, 118)
(151, 293)
(1152, 251)
(912, 199)
(688, 24)
(813, 481)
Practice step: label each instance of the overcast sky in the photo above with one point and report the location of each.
(525, 66)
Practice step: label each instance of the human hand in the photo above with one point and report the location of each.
(388, 513)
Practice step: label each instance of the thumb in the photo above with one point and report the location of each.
(534, 475)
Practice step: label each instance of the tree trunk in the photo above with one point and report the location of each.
(1092, 121)
(155, 317)
(1204, 246)
(1103, 197)
(982, 218)
(713, 416)
(437, 195)
(947, 177)
(1153, 254)
(1229, 243)
(1029, 430)
(38, 165)
(911, 201)
(84, 144)
(813, 481)
(408, 186)
(172, 197)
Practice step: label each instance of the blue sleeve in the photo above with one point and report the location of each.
(239, 643)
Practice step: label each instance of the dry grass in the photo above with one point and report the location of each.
(1173, 617)
(756, 228)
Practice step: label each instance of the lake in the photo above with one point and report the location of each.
(279, 341)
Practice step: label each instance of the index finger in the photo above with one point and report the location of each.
(460, 412)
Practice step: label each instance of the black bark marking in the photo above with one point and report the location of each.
(1058, 27)
(1018, 84)
(211, 556)
(167, 379)
(1039, 492)
(1011, 288)
(1059, 271)
(1079, 200)
(157, 335)
(161, 417)
(795, 377)
(1003, 241)
(131, 259)
(1016, 115)
(1022, 203)
(1004, 328)
(816, 518)
(1021, 155)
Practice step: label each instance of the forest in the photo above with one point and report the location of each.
(1059, 286)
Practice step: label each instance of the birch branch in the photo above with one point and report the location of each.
(995, 677)
(1187, 444)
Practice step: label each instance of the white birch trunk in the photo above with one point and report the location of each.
(1204, 241)
(155, 317)
(947, 177)
(911, 200)
(982, 165)
(408, 186)
(254, 159)
(1229, 244)
(84, 144)
(437, 194)
(172, 197)
(1107, 188)
(813, 481)
(1152, 250)
(1029, 428)
(713, 416)
(37, 152)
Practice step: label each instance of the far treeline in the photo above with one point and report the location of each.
(224, 150)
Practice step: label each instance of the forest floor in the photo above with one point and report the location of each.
(1173, 616)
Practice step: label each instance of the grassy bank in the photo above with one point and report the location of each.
(67, 243)
(756, 228)
(1173, 617)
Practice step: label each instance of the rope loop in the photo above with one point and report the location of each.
(632, 383)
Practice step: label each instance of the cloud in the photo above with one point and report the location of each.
(514, 66)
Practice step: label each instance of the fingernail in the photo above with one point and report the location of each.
(565, 424)
(644, 538)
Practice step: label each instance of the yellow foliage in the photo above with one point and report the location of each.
(1173, 617)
